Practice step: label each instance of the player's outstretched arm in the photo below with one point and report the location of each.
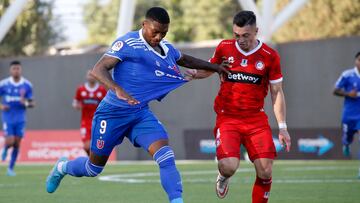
(278, 100)
(191, 74)
(101, 73)
(195, 63)
(342, 93)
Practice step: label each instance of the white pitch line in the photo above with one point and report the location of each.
(139, 177)
(318, 168)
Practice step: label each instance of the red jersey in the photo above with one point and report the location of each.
(251, 72)
(89, 98)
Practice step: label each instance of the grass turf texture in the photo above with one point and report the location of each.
(293, 181)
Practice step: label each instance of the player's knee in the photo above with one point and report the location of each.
(92, 169)
(227, 168)
(164, 157)
(265, 172)
(227, 171)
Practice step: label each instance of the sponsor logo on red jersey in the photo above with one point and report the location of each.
(244, 78)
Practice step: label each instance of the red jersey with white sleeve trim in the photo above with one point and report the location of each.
(89, 98)
(246, 87)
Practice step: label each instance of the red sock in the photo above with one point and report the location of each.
(261, 190)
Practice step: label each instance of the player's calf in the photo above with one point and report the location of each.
(262, 185)
(261, 190)
(82, 167)
(169, 175)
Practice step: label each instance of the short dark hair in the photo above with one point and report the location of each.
(158, 14)
(244, 18)
(15, 63)
(357, 54)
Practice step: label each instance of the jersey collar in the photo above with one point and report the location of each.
(91, 89)
(357, 71)
(163, 46)
(250, 52)
(12, 81)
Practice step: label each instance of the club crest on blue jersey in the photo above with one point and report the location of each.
(175, 68)
(100, 144)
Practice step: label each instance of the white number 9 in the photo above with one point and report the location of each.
(103, 126)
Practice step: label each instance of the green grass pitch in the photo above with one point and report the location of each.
(293, 182)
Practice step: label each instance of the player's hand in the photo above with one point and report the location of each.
(285, 139)
(225, 63)
(223, 69)
(352, 93)
(190, 74)
(77, 105)
(121, 94)
(4, 107)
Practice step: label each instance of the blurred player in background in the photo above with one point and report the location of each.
(239, 105)
(145, 69)
(87, 98)
(16, 93)
(348, 86)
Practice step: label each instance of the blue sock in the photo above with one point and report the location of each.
(169, 175)
(4, 152)
(82, 167)
(14, 156)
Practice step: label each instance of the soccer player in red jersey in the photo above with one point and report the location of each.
(86, 99)
(241, 119)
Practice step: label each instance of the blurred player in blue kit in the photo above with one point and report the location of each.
(145, 69)
(348, 86)
(16, 93)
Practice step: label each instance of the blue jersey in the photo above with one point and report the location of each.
(11, 93)
(142, 72)
(349, 80)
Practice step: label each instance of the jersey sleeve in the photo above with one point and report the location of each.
(29, 92)
(77, 96)
(2, 89)
(217, 56)
(275, 74)
(177, 53)
(341, 82)
(120, 50)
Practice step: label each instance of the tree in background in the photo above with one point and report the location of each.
(33, 32)
(199, 20)
(190, 20)
(321, 19)
(101, 21)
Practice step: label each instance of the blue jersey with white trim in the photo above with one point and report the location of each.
(12, 92)
(349, 80)
(142, 72)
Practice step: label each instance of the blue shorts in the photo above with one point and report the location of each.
(350, 128)
(14, 129)
(111, 124)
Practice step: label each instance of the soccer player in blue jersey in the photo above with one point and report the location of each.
(145, 68)
(348, 86)
(16, 93)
